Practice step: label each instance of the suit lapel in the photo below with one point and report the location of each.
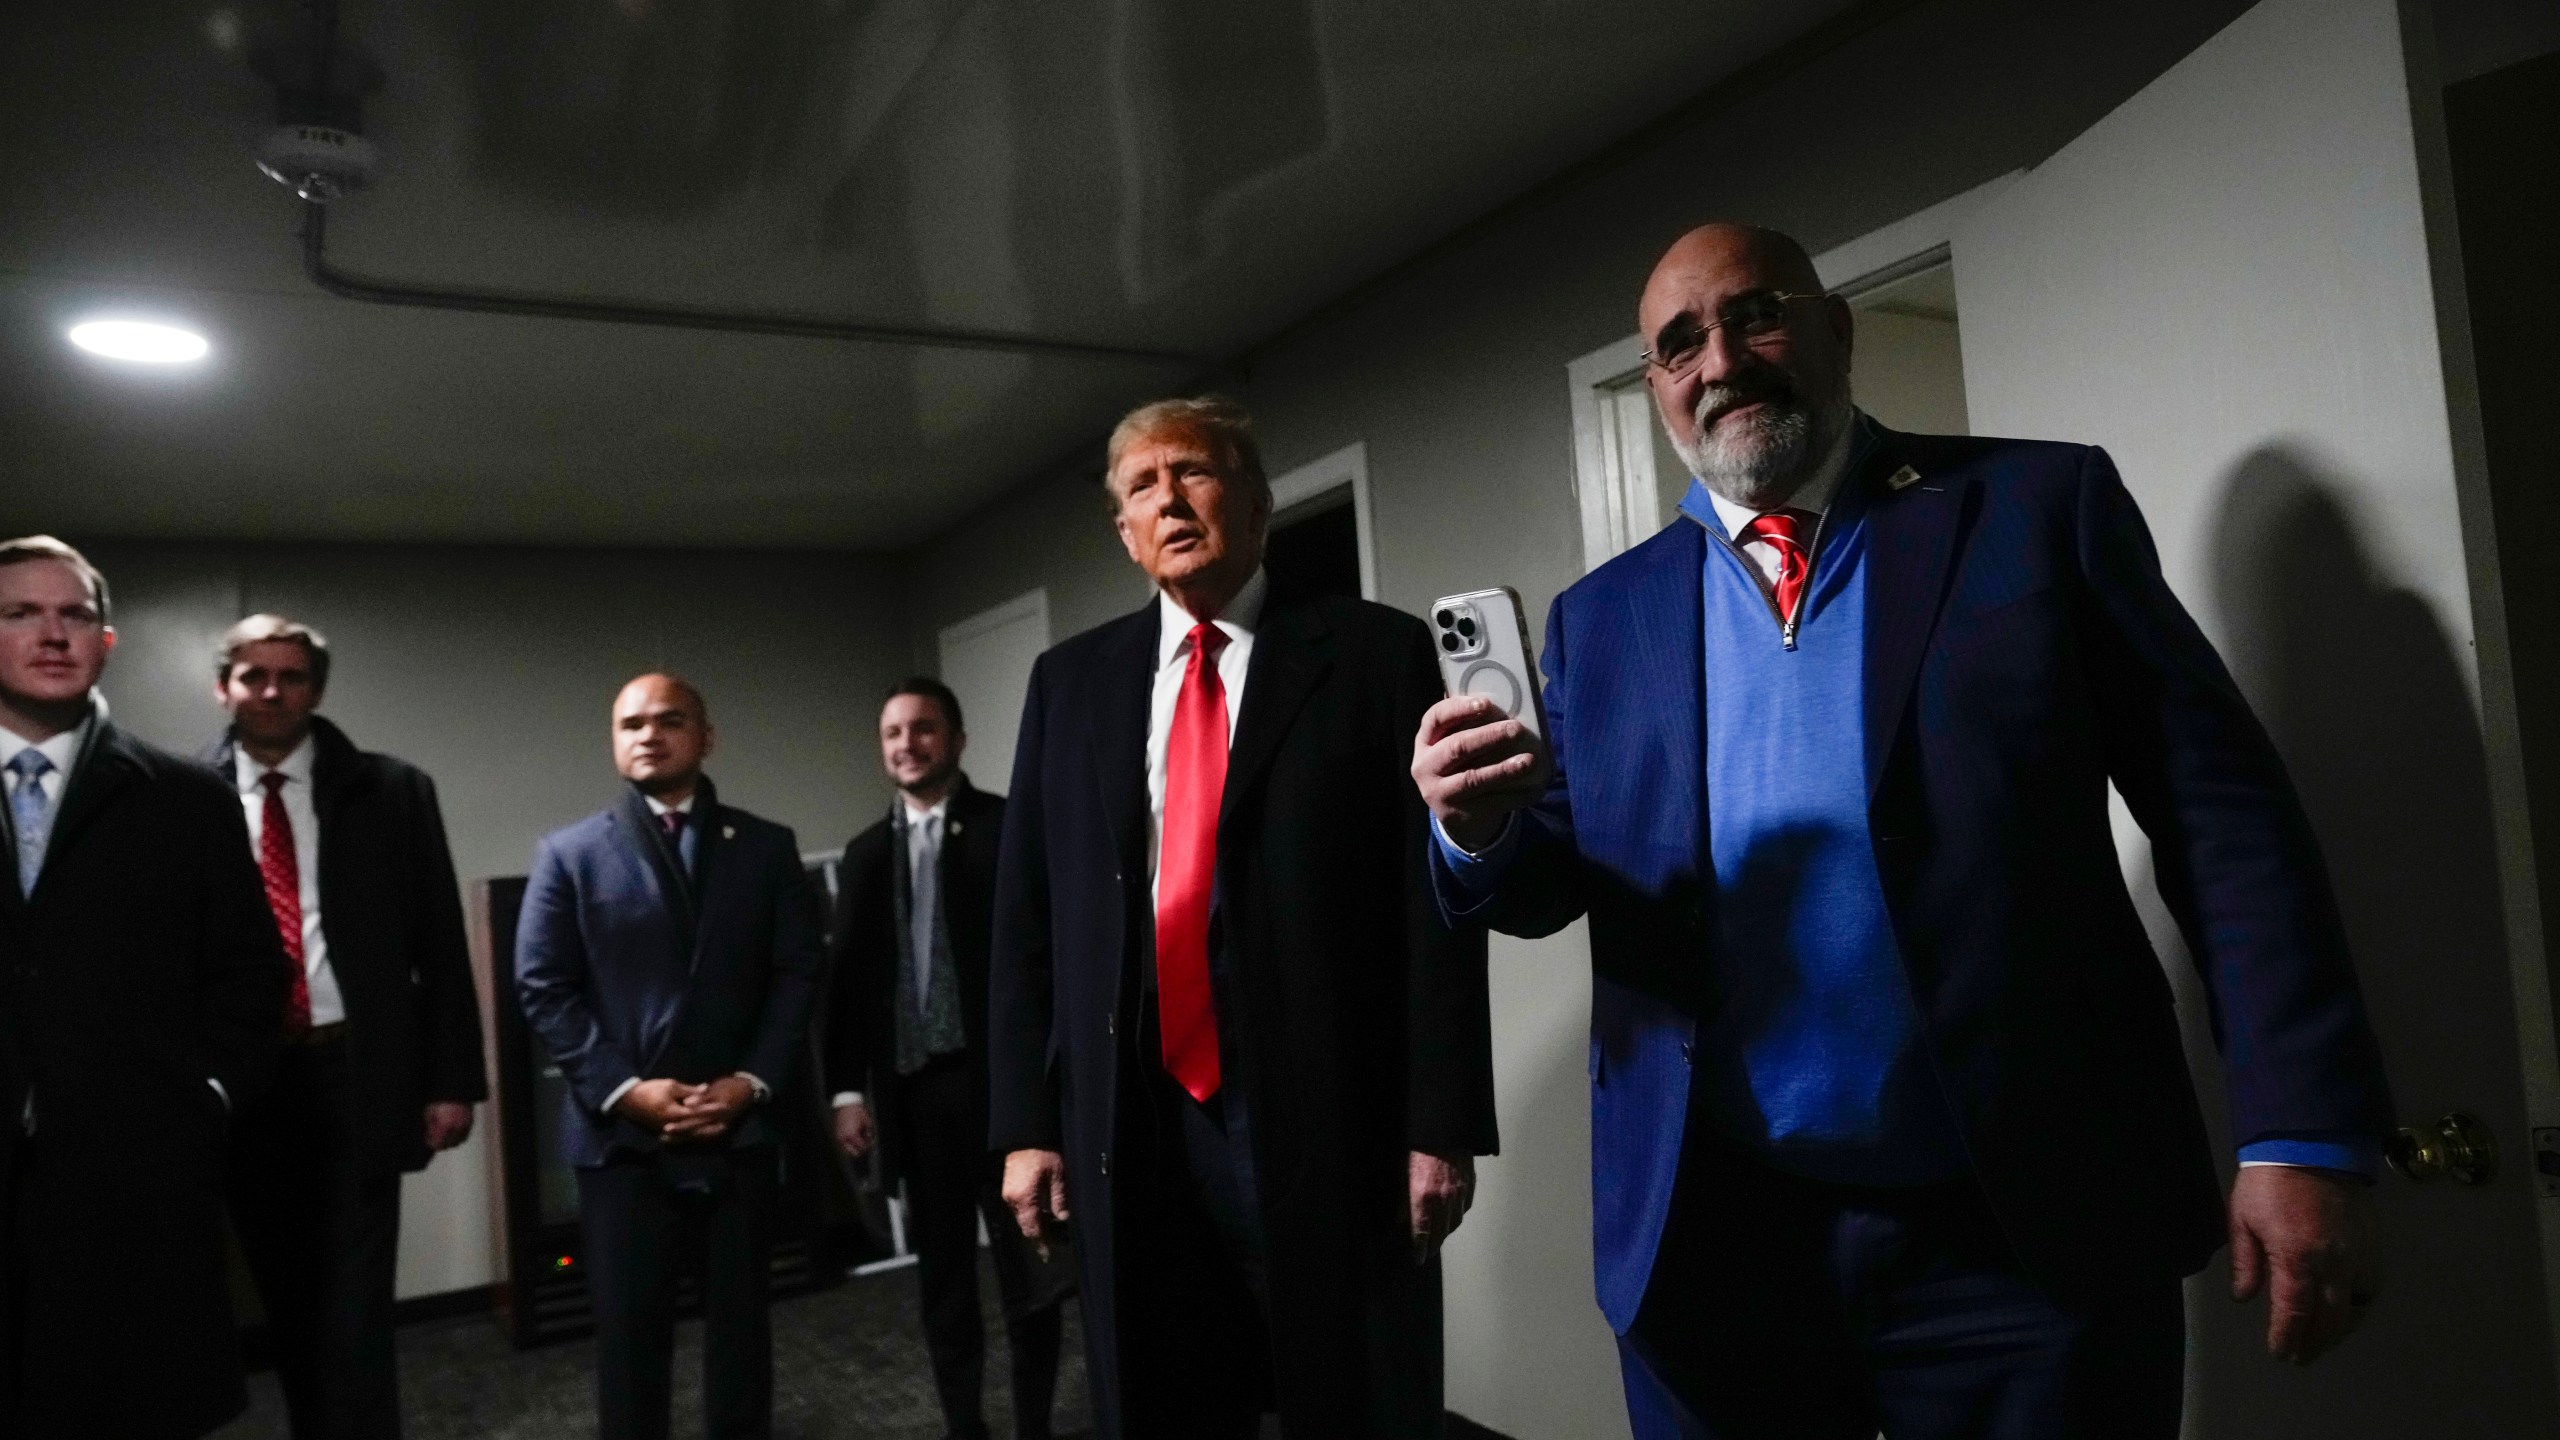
(1291, 651)
(1912, 529)
(1119, 732)
(105, 766)
(1665, 625)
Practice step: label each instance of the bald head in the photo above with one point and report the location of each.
(1749, 360)
(661, 735)
(1721, 249)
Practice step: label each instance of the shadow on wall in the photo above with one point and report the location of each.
(2365, 696)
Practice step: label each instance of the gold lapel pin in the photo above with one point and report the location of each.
(1902, 479)
(955, 827)
(728, 832)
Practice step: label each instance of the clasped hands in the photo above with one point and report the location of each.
(683, 1114)
(1438, 1190)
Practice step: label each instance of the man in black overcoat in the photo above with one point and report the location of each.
(906, 1055)
(1229, 1032)
(382, 1058)
(141, 986)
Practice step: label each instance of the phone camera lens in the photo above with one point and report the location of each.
(1441, 618)
(1449, 643)
(1467, 627)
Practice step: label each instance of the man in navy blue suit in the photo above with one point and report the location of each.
(1891, 1127)
(665, 955)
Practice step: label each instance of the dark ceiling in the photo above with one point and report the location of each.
(1173, 175)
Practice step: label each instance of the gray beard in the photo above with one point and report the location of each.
(1758, 464)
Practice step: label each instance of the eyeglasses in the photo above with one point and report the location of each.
(73, 617)
(1755, 316)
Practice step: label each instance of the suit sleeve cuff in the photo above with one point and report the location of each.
(842, 1098)
(1477, 872)
(2348, 1154)
(625, 1088)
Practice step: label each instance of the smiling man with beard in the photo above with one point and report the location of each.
(1891, 1125)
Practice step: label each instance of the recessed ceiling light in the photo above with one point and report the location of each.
(139, 340)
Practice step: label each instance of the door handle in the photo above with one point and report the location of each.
(2457, 1145)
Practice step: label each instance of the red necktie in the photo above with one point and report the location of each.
(283, 875)
(1195, 780)
(1781, 530)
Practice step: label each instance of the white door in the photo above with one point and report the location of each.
(986, 660)
(2228, 283)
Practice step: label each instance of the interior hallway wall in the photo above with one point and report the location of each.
(1454, 376)
(493, 669)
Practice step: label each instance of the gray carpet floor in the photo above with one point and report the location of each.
(848, 1362)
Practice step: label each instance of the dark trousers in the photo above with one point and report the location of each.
(647, 1221)
(321, 1233)
(1787, 1309)
(1193, 1303)
(953, 1181)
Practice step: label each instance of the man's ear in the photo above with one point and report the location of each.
(959, 744)
(710, 738)
(1844, 327)
(107, 638)
(1128, 542)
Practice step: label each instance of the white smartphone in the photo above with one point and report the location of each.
(1483, 639)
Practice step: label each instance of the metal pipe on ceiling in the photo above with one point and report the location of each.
(315, 263)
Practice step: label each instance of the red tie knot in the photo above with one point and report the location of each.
(1208, 639)
(274, 780)
(1782, 528)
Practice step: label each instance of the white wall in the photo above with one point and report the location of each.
(493, 670)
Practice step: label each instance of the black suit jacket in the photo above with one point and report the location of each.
(393, 914)
(862, 1040)
(629, 967)
(1355, 1023)
(145, 963)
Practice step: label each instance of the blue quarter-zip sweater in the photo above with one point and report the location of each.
(1810, 1049)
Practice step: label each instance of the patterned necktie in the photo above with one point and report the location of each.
(672, 822)
(31, 814)
(1195, 781)
(282, 872)
(1782, 531)
(924, 857)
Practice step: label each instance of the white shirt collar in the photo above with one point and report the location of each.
(63, 749)
(658, 807)
(246, 772)
(1813, 495)
(1243, 613)
(934, 812)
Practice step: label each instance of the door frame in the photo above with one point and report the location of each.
(1348, 466)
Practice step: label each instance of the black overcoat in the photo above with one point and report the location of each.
(1357, 1020)
(145, 963)
(861, 1044)
(393, 915)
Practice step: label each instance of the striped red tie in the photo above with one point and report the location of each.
(1783, 531)
(1195, 780)
(282, 873)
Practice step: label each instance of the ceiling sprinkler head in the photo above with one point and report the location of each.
(317, 162)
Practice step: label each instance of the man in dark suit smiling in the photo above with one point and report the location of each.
(665, 956)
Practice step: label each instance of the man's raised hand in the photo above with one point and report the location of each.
(1475, 766)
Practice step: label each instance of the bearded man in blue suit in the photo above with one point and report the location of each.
(1891, 1125)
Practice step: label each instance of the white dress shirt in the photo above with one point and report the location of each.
(328, 1005)
(924, 878)
(1173, 658)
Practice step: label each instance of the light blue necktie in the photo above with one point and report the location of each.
(31, 813)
